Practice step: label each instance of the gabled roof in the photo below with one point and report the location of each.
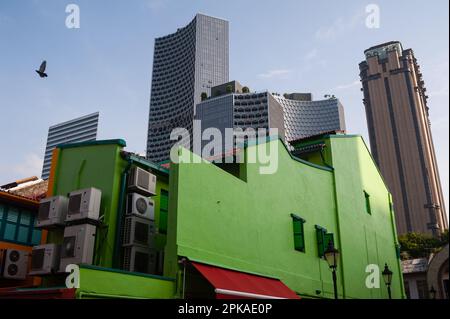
(414, 265)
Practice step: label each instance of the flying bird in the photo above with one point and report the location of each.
(41, 70)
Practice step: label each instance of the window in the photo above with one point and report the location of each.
(299, 234)
(323, 240)
(408, 294)
(17, 226)
(163, 211)
(367, 198)
(422, 289)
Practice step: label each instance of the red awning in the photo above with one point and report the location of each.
(234, 284)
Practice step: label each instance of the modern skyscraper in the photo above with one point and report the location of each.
(185, 64)
(81, 129)
(236, 110)
(400, 136)
(294, 115)
(304, 117)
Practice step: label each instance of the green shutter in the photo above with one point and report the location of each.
(299, 235)
(320, 234)
(367, 198)
(328, 238)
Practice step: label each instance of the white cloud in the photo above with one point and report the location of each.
(441, 92)
(277, 73)
(340, 26)
(155, 4)
(311, 54)
(347, 86)
(31, 165)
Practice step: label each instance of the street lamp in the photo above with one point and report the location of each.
(433, 293)
(387, 276)
(332, 257)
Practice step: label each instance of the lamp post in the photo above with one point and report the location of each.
(332, 257)
(387, 276)
(433, 293)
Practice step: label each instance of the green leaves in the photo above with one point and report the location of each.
(417, 245)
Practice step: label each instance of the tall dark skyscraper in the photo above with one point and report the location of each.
(400, 136)
(185, 64)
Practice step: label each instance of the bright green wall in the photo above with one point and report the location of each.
(104, 283)
(98, 166)
(218, 219)
(356, 172)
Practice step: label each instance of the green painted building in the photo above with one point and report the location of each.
(237, 218)
(232, 217)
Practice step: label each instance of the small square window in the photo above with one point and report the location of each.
(25, 218)
(13, 215)
(10, 232)
(23, 234)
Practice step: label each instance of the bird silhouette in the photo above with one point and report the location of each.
(41, 70)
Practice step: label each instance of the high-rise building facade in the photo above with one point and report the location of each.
(400, 136)
(81, 129)
(239, 111)
(295, 115)
(304, 117)
(186, 64)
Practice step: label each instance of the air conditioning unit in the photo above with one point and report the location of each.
(14, 264)
(141, 206)
(45, 259)
(138, 231)
(142, 182)
(52, 211)
(84, 204)
(139, 259)
(78, 245)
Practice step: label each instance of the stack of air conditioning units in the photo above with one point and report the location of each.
(138, 232)
(78, 215)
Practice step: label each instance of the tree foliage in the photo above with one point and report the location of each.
(417, 245)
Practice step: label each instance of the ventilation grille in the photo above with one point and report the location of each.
(127, 259)
(44, 211)
(127, 231)
(37, 259)
(74, 204)
(142, 179)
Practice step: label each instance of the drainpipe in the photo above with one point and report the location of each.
(119, 221)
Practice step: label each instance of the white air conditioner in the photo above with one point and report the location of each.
(45, 259)
(139, 259)
(84, 204)
(52, 211)
(141, 206)
(142, 182)
(14, 264)
(138, 231)
(78, 245)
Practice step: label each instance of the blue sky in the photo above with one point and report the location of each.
(282, 46)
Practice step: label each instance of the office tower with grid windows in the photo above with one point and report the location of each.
(82, 129)
(186, 64)
(400, 136)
